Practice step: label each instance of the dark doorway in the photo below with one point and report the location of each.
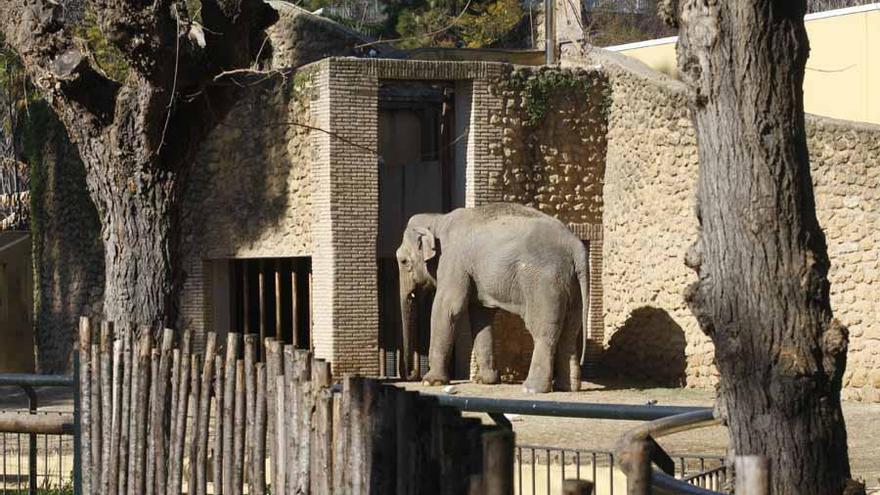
(416, 174)
(272, 297)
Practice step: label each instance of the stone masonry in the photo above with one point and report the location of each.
(293, 172)
(650, 177)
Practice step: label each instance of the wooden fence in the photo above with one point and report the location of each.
(158, 419)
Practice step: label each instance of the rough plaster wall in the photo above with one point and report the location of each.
(555, 164)
(649, 224)
(68, 254)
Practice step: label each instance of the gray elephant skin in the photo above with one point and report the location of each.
(497, 256)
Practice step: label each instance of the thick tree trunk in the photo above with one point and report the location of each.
(134, 188)
(139, 254)
(137, 137)
(763, 292)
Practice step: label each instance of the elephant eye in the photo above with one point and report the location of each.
(404, 261)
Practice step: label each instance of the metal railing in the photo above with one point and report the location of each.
(49, 433)
(639, 453)
(542, 469)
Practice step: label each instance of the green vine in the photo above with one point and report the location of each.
(539, 87)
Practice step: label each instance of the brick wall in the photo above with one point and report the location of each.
(320, 192)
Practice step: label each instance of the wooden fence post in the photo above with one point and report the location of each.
(195, 386)
(159, 432)
(498, 461)
(125, 413)
(280, 437)
(232, 340)
(577, 487)
(115, 419)
(85, 364)
(202, 433)
(105, 351)
(238, 430)
(322, 433)
(258, 483)
(638, 479)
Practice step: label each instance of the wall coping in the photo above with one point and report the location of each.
(809, 17)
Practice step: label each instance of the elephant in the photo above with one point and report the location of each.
(498, 256)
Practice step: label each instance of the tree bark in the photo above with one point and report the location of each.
(138, 137)
(763, 292)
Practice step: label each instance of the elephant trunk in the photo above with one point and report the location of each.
(408, 330)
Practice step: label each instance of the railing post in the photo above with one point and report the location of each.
(577, 487)
(77, 428)
(638, 479)
(32, 441)
(752, 475)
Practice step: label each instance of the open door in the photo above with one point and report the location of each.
(415, 176)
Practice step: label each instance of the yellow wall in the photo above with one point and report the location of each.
(843, 71)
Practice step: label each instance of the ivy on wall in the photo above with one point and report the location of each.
(539, 87)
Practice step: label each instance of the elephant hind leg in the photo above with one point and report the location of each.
(567, 369)
(540, 379)
(484, 354)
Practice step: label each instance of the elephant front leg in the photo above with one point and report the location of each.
(444, 314)
(481, 327)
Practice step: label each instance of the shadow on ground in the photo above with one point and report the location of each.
(647, 351)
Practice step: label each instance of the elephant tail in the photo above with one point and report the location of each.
(582, 268)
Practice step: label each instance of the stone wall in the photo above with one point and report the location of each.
(845, 159)
(650, 179)
(552, 125)
(250, 193)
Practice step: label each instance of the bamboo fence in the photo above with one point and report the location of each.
(157, 418)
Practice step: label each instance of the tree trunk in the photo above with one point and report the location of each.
(139, 255)
(138, 136)
(761, 257)
(134, 188)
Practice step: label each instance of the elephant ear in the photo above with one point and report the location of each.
(427, 243)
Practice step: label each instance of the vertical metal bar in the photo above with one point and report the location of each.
(294, 309)
(611, 473)
(5, 478)
(32, 442)
(261, 290)
(578, 460)
(246, 306)
(595, 479)
(520, 461)
(533, 471)
(277, 308)
(18, 478)
(311, 320)
(60, 461)
(77, 427)
(547, 452)
(562, 462)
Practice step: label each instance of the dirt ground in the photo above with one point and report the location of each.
(861, 420)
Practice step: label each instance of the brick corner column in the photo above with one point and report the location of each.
(354, 215)
(596, 323)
